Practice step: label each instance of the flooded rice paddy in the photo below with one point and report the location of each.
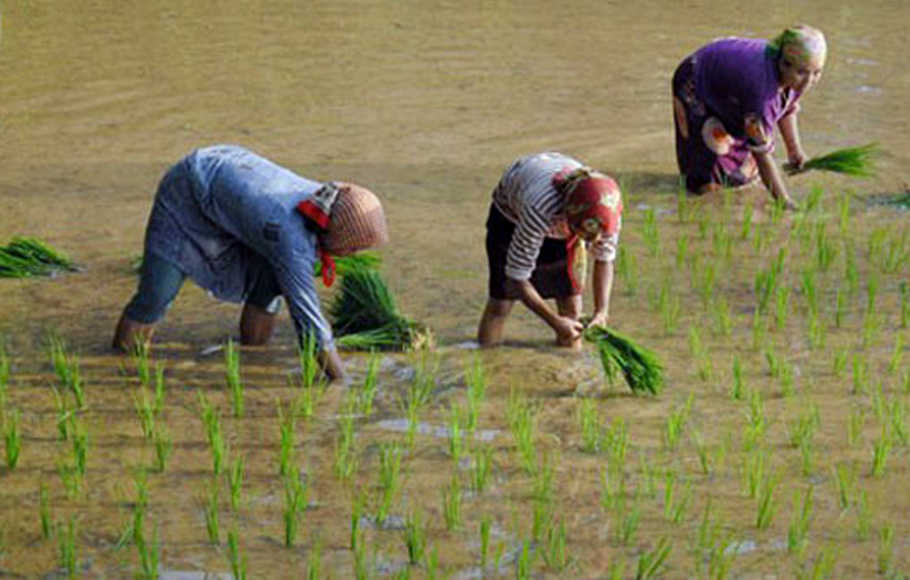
(778, 449)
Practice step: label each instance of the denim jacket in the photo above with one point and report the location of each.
(224, 215)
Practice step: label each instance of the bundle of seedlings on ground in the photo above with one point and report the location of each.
(855, 161)
(24, 257)
(640, 367)
(366, 318)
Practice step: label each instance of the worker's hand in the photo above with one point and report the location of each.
(599, 319)
(796, 159)
(568, 331)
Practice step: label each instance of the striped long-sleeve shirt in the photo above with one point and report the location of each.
(526, 196)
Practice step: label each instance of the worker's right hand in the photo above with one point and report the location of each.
(568, 331)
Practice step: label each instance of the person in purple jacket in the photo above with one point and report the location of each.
(248, 230)
(728, 97)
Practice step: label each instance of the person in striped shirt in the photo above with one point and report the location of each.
(249, 230)
(546, 208)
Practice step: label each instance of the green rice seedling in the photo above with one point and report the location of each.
(676, 511)
(801, 515)
(886, 548)
(814, 199)
(211, 420)
(648, 474)
(650, 232)
(863, 515)
(232, 377)
(839, 308)
(66, 367)
(897, 410)
(543, 479)
(286, 432)
(456, 436)
(358, 502)
(651, 563)
(346, 457)
(854, 161)
(897, 354)
(145, 410)
(759, 330)
(484, 540)
(881, 449)
(755, 466)
(159, 390)
(521, 415)
(149, 555)
(627, 269)
(723, 317)
(805, 425)
(640, 367)
(761, 239)
(905, 304)
(851, 274)
(822, 566)
(524, 561)
(825, 250)
(843, 212)
(704, 224)
(592, 432)
(389, 478)
(738, 391)
(80, 449)
(669, 307)
(879, 406)
(235, 480)
(810, 290)
(767, 502)
(617, 570)
(746, 229)
(855, 425)
(44, 511)
(238, 561)
(314, 561)
(451, 503)
(722, 241)
(618, 445)
(627, 518)
(4, 376)
(480, 468)
(432, 564)
(140, 356)
(818, 331)
(757, 423)
(682, 205)
(696, 348)
(541, 519)
(676, 423)
(415, 537)
(72, 483)
(361, 569)
(476, 382)
(777, 212)
(27, 256)
(786, 379)
(845, 481)
(707, 280)
(163, 448)
(308, 360)
(555, 552)
(210, 509)
(839, 363)
(682, 251)
(295, 502)
(370, 386)
(701, 449)
(12, 438)
(860, 374)
(66, 546)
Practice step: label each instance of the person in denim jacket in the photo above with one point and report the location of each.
(248, 230)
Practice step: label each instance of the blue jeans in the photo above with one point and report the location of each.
(160, 280)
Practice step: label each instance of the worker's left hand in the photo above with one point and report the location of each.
(599, 319)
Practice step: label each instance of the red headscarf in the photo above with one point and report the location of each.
(593, 200)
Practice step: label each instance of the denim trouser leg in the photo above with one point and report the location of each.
(159, 283)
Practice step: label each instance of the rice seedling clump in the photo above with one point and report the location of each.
(24, 257)
(640, 367)
(855, 161)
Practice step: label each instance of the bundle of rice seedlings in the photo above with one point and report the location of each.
(24, 257)
(344, 264)
(640, 367)
(855, 161)
(366, 318)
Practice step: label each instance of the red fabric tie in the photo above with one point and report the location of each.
(328, 267)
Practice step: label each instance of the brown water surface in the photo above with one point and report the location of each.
(426, 103)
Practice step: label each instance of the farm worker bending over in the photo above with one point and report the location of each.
(249, 231)
(545, 209)
(727, 98)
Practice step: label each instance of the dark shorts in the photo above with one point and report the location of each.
(552, 277)
(160, 280)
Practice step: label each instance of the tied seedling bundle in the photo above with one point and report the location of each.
(365, 316)
(640, 367)
(854, 161)
(24, 257)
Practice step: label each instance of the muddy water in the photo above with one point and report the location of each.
(425, 103)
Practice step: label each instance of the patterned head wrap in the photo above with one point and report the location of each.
(801, 44)
(593, 201)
